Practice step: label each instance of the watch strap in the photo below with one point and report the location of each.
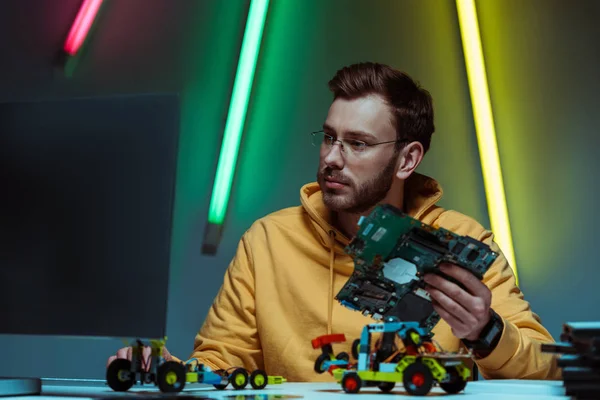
(488, 338)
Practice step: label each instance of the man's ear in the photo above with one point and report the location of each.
(410, 158)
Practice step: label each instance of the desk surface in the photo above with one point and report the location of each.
(498, 389)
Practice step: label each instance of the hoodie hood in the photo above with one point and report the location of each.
(421, 193)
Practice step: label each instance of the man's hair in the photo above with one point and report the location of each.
(411, 105)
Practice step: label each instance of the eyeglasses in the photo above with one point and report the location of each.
(354, 146)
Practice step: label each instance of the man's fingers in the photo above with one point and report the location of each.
(451, 307)
(470, 281)
(450, 289)
(110, 359)
(125, 352)
(458, 327)
(166, 354)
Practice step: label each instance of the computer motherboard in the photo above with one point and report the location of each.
(392, 251)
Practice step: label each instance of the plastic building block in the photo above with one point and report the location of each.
(238, 377)
(327, 360)
(169, 376)
(172, 376)
(417, 364)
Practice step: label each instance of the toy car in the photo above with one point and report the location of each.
(238, 377)
(172, 376)
(327, 360)
(418, 365)
(169, 376)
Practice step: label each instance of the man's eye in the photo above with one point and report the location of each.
(358, 145)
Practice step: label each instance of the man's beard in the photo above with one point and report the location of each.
(364, 197)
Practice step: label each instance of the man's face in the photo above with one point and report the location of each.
(356, 181)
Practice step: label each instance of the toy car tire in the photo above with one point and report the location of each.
(351, 382)
(170, 377)
(417, 379)
(355, 348)
(258, 379)
(113, 375)
(456, 383)
(319, 363)
(224, 379)
(386, 387)
(239, 378)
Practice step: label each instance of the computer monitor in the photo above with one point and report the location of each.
(86, 202)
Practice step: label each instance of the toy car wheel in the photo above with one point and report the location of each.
(239, 378)
(224, 380)
(258, 379)
(417, 379)
(343, 356)
(320, 363)
(456, 382)
(386, 387)
(355, 348)
(119, 376)
(351, 382)
(170, 377)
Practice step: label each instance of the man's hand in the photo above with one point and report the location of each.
(466, 311)
(125, 352)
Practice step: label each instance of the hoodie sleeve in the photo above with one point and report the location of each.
(518, 354)
(229, 337)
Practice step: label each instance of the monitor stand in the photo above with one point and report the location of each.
(20, 386)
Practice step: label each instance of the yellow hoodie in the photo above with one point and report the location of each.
(278, 294)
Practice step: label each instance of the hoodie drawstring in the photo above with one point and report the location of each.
(330, 297)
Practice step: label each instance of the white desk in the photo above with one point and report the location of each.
(499, 389)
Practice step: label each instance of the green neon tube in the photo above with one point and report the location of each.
(237, 110)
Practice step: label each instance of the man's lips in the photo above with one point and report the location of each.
(334, 184)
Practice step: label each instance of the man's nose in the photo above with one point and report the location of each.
(334, 156)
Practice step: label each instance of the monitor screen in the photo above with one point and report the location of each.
(86, 201)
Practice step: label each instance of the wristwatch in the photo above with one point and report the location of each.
(488, 338)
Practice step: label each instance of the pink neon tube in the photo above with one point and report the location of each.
(81, 26)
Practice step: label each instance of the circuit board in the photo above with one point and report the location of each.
(392, 252)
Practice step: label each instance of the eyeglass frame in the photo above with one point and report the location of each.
(367, 145)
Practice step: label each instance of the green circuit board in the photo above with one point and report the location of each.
(392, 251)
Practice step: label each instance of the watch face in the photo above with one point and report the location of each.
(492, 333)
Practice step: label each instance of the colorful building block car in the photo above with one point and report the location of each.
(327, 360)
(418, 365)
(238, 377)
(169, 376)
(172, 376)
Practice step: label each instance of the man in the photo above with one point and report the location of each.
(278, 292)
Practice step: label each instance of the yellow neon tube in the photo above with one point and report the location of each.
(484, 125)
